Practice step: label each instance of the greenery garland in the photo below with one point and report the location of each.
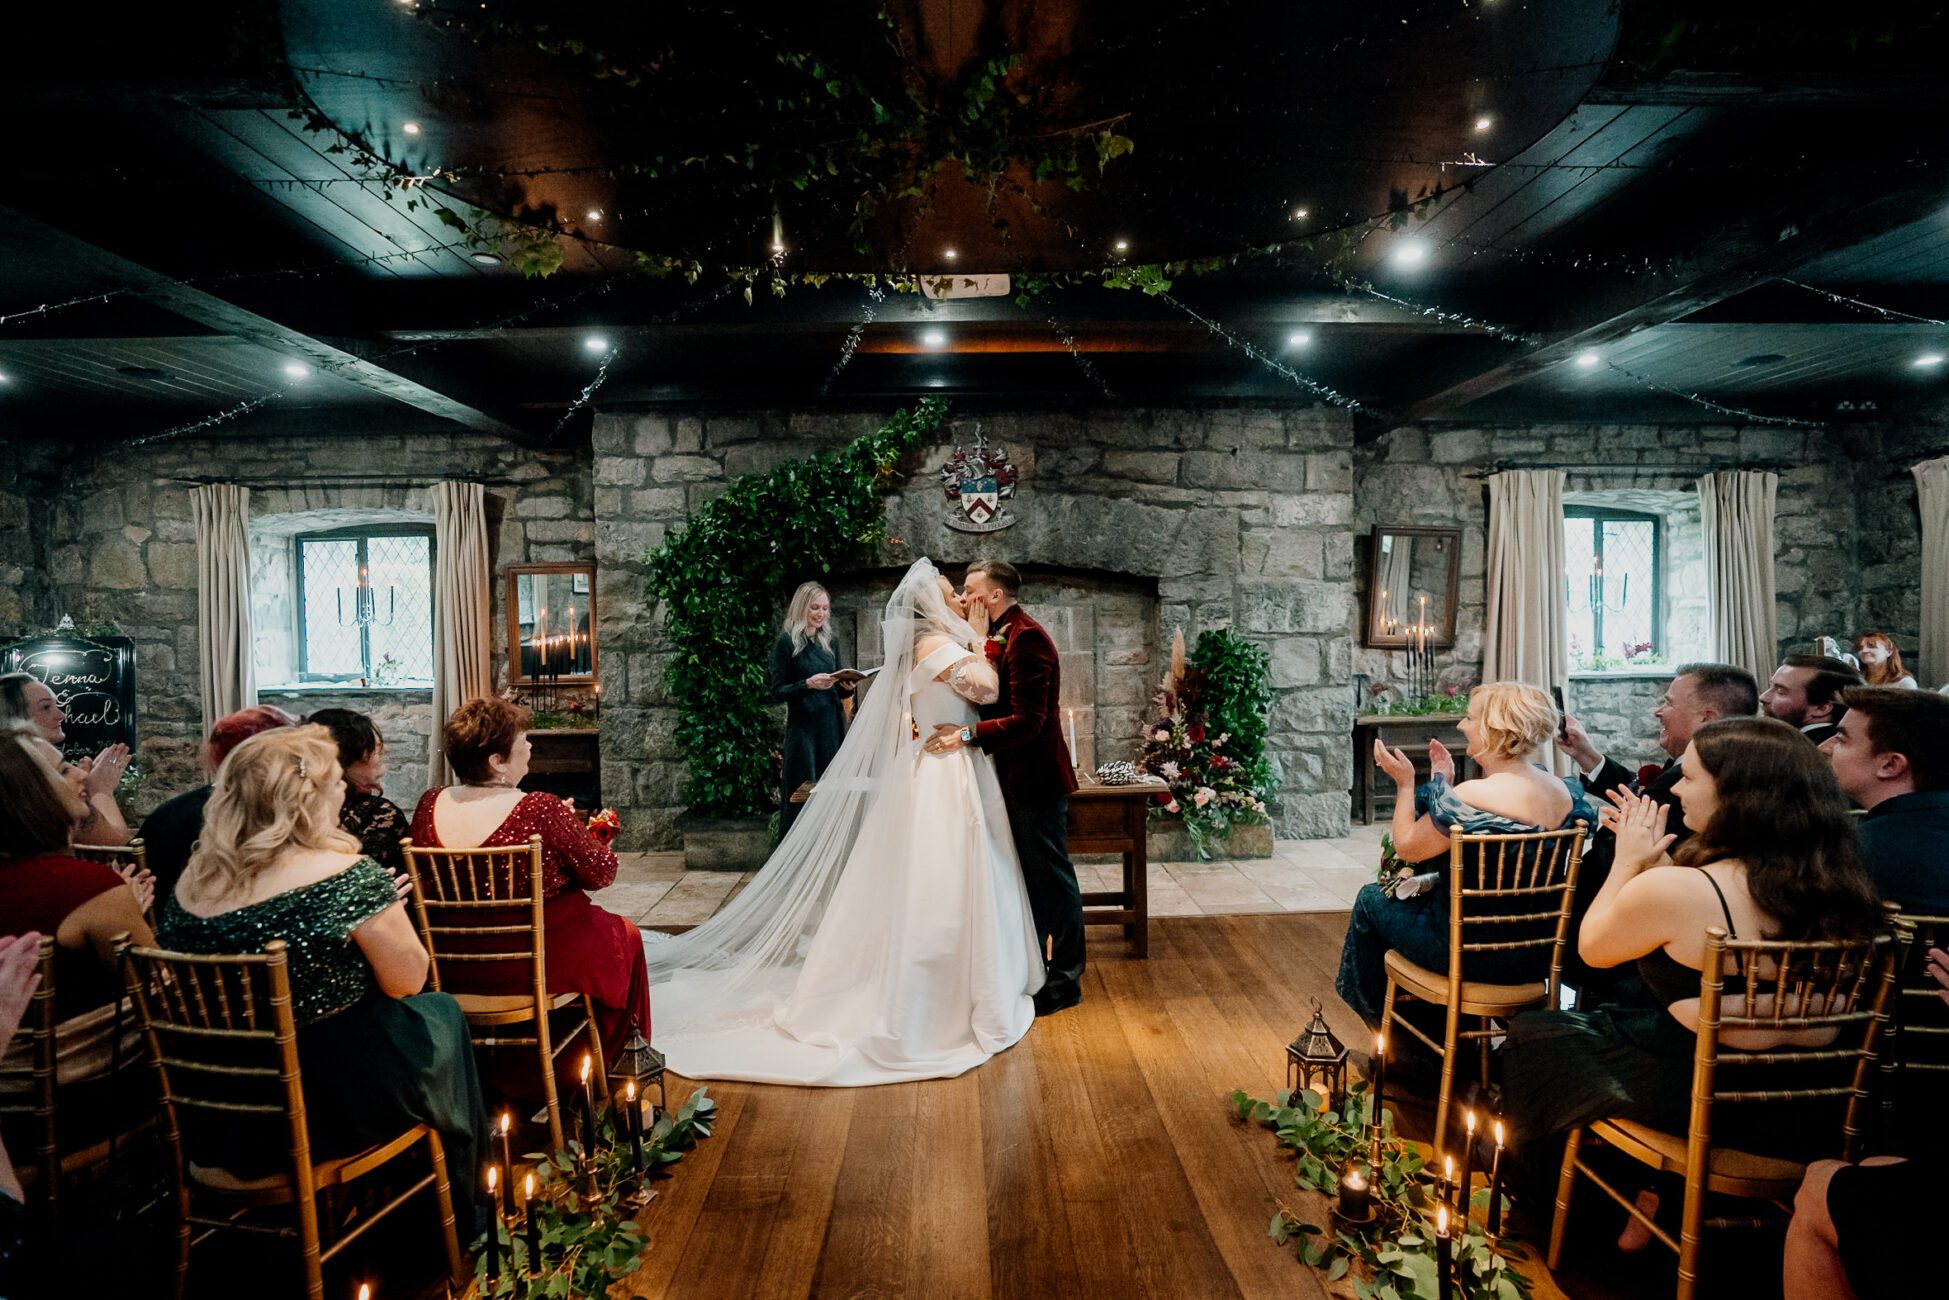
(1208, 744)
(718, 576)
(1395, 1253)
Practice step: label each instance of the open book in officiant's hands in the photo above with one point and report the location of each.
(853, 674)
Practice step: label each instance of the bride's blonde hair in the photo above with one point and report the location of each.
(272, 793)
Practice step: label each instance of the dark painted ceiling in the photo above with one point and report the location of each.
(1649, 201)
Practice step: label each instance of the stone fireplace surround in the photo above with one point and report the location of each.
(1130, 524)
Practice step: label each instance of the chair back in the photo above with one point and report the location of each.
(482, 909)
(222, 1039)
(1917, 1049)
(133, 854)
(29, 1078)
(1783, 986)
(1510, 893)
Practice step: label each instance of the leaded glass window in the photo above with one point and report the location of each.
(1612, 588)
(366, 606)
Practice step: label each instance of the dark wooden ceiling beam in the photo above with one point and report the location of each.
(228, 318)
(1737, 266)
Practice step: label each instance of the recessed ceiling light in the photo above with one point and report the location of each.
(296, 369)
(596, 343)
(1410, 252)
(950, 254)
(487, 259)
(411, 128)
(937, 382)
(1301, 339)
(1123, 245)
(1482, 123)
(1928, 359)
(1299, 214)
(934, 338)
(1588, 359)
(595, 214)
(5, 380)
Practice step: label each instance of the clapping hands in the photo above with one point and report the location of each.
(105, 770)
(142, 881)
(1639, 823)
(1396, 764)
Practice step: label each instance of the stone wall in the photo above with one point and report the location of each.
(120, 547)
(1240, 516)
(1615, 712)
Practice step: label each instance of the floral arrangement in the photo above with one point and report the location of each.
(386, 672)
(604, 825)
(1631, 654)
(1212, 782)
(1450, 699)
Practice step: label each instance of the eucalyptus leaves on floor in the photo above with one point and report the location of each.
(1393, 1257)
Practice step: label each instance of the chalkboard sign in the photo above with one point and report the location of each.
(93, 678)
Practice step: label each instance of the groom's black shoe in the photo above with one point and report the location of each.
(1048, 1000)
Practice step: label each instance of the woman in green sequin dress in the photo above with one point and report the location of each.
(378, 1055)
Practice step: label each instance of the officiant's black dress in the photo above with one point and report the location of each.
(815, 721)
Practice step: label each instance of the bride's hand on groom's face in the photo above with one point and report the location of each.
(977, 614)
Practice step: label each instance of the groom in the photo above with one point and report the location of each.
(1021, 730)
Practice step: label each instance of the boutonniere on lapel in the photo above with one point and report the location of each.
(997, 644)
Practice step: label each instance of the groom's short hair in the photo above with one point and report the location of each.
(999, 572)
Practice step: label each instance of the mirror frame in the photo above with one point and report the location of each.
(1382, 641)
(511, 609)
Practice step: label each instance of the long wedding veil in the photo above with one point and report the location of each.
(736, 967)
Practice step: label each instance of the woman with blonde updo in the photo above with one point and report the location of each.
(378, 1055)
(1507, 723)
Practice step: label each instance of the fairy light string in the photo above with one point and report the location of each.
(1312, 386)
(1739, 413)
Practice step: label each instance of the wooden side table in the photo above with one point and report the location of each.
(1409, 734)
(1112, 819)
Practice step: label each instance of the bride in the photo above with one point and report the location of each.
(889, 936)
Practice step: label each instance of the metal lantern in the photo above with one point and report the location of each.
(644, 1065)
(1316, 1059)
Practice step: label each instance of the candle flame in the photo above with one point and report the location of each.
(491, 1171)
(1353, 1180)
(1498, 1133)
(504, 1122)
(527, 1187)
(1380, 1044)
(585, 1067)
(1448, 1168)
(365, 1292)
(629, 1090)
(1441, 1220)
(1469, 1115)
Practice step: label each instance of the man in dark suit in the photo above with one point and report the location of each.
(1806, 693)
(1888, 756)
(1698, 694)
(1023, 731)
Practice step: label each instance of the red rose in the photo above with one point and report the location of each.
(1196, 734)
(1162, 796)
(1647, 774)
(994, 651)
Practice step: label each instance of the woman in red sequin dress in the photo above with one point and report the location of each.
(588, 949)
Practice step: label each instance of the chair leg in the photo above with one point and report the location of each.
(595, 1047)
(308, 1244)
(1387, 1016)
(1451, 1035)
(1691, 1235)
(546, 1047)
(1566, 1184)
(443, 1197)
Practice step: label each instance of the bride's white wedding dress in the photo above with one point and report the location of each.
(895, 940)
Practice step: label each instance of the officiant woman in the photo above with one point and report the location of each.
(803, 660)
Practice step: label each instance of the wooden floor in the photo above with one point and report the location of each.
(1095, 1158)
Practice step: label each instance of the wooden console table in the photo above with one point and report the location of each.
(1411, 734)
(1106, 819)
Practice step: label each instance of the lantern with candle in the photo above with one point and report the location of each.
(1317, 1060)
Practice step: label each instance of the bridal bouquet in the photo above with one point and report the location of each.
(1207, 742)
(604, 825)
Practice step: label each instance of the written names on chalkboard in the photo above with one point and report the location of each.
(93, 680)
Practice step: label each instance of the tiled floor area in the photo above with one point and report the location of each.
(1301, 876)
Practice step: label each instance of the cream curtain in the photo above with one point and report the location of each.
(1526, 639)
(463, 616)
(1736, 513)
(224, 650)
(1932, 493)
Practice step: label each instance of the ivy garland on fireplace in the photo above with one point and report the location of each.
(717, 577)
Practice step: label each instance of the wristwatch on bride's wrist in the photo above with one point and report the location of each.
(967, 735)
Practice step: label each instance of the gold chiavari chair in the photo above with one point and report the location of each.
(1506, 893)
(483, 908)
(223, 1043)
(1774, 987)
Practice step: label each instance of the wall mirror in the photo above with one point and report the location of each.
(1412, 576)
(551, 611)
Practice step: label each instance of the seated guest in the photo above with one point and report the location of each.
(378, 1055)
(169, 833)
(1772, 856)
(19, 975)
(1698, 694)
(24, 698)
(1881, 662)
(1806, 693)
(84, 905)
(1506, 724)
(590, 951)
(375, 821)
(1889, 757)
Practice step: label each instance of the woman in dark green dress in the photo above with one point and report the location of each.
(803, 660)
(378, 1055)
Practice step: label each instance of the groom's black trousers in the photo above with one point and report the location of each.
(1042, 843)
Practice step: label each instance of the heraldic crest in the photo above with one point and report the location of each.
(978, 483)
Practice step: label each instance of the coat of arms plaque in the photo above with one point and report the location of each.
(979, 484)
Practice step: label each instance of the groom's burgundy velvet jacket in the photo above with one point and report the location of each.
(1023, 727)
